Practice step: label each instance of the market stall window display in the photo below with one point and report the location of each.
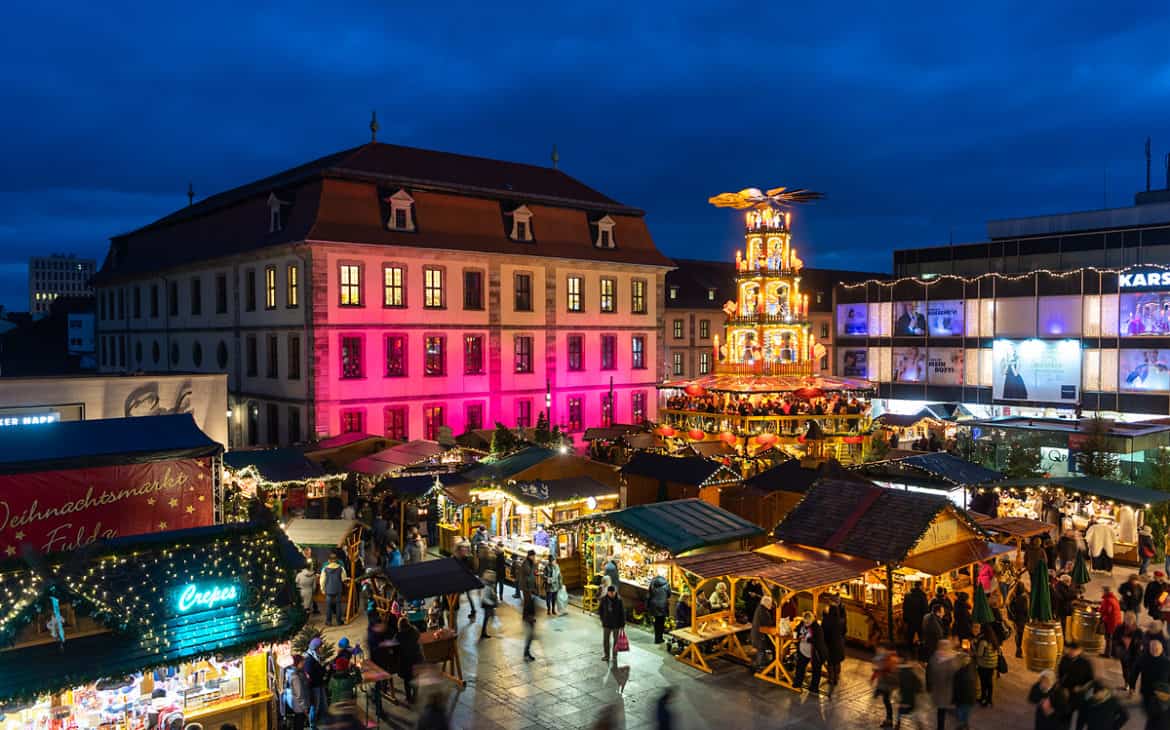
(175, 625)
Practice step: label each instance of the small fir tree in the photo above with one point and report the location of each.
(1096, 457)
(542, 435)
(504, 441)
(1023, 458)
(300, 643)
(1157, 477)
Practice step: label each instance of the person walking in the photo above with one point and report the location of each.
(414, 547)
(1063, 595)
(1153, 671)
(1146, 549)
(465, 558)
(611, 570)
(1018, 614)
(612, 612)
(501, 567)
(986, 653)
(932, 631)
(307, 586)
(409, 656)
(1131, 595)
(1075, 675)
(488, 601)
(915, 606)
(964, 688)
(1109, 614)
(833, 626)
(552, 584)
(1101, 710)
(763, 618)
(315, 674)
(909, 689)
(333, 577)
(528, 574)
(529, 617)
(940, 680)
(810, 650)
(1153, 597)
(658, 604)
(962, 628)
(298, 693)
(1052, 710)
(517, 574)
(947, 616)
(885, 679)
(1128, 648)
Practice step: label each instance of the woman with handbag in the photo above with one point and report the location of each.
(552, 585)
(987, 658)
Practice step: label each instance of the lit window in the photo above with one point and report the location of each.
(393, 286)
(293, 294)
(523, 352)
(638, 406)
(433, 420)
(820, 297)
(351, 358)
(575, 414)
(401, 212)
(395, 356)
(674, 292)
(574, 286)
(824, 330)
(576, 352)
(638, 352)
(351, 285)
(436, 357)
(676, 359)
(704, 362)
(521, 224)
(710, 295)
(606, 410)
(433, 288)
(678, 329)
(608, 294)
(704, 329)
(608, 352)
(395, 422)
(270, 287)
(473, 355)
(638, 296)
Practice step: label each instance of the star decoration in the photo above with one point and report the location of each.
(162, 525)
(190, 509)
(174, 502)
(201, 498)
(10, 551)
(20, 534)
(150, 500)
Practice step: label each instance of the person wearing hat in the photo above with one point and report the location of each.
(315, 673)
(915, 606)
(1154, 591)
(612, 612)
(763, 618)
(1110, 615)
(1145, 548)
(810, 650)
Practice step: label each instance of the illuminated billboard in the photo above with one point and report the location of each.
(853, 319)
(945, 366)
(1042, 371)
(1144, 314)
(1142, 371)
(855, 363)
(909, 364)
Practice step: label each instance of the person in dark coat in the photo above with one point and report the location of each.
(932, 632)
(1128, 648)
(962, 628)
(1153, 671)
(613, 620)
(409, 656)
(914, 607)
(1052, 710)
(658, 605)
(833, 627)
(1066, 549)
(1075, 674)
(752, 593)
(1101, 710)
(501, 568)
(1131, 595)
(1018, 613)
(965, 690)
(1153, 597)
(810, 649)
(947, 616)
(1063, 596)
(1033, 554)
(762, 618)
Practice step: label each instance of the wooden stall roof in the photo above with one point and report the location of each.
(801, 553)
(440, 577)
(676, 526)
(954, 556)
(796, 576)
(319, 533)
(1021, 527)
(724, 562)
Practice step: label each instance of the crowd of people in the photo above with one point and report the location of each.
(770, 405)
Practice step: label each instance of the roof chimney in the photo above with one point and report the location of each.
(374, 126)
(556, 157)
(190, 195)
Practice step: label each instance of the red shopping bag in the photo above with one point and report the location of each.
(623, 643)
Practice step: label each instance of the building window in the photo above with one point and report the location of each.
(353, 420)
(710, 295)
(523, 350)
(575, 419)
(608, 294)
(351, 358)
(196, 296)
(137, 302)
(824, 362)
(433, 288)
(473, 290)
(574, 287)
(173, 298)
(435, 363)
(122, 351)
(606, 410)
(273, 356)
(673, 293)
(251, 357)
(221, 355)
(154, 301)
(433, 420)
(638, 296)
(102, 306)
(473, 355)
(820, 297)
(523, 293)
(521, 224)
(350, 276)
(250, 290)
(400, 219)
(474, 418)
(524, 413)
(292, 287)
(704, 329)
(638, 352)
(638, 406)
(605, 238)
(221, 293)
(704, 362)
(137, 353)
(824, 330)
(401, 216)
(196, 354)
(395, 356)
(253, 424)
(174, 354)
(294, 357)
(609, 352)
(676, 359)
(393, 286)
(678, 329)
(294, 425)
(576, 345)
(270, 287)
(273, 423)
(121, 304)
(394, 418)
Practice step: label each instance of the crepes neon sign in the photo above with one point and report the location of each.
(193, 597)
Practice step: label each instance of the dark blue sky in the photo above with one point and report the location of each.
(913, 121)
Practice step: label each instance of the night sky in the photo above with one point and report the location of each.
(918, 126)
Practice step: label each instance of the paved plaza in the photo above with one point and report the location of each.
(569, 684)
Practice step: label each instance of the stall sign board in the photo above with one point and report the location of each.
(255, 674)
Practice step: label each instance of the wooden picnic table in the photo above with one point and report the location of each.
(725, 636)
(776, 672)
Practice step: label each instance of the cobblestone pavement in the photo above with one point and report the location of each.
(569, 684)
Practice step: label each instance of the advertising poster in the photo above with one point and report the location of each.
(945, 317)
(909, 364)
(1144, 314)
(909, 319)
(853, 319)
(1142, 371)
(945, 366)
(55, 511)
(855, 363)
(1037, 370)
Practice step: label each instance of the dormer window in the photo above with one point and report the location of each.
(275, 220)
(674, 292)
(401, 212)
(605, 237)
(521, 224)
(710, 295)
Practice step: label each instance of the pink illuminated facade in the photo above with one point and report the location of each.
(392, 291)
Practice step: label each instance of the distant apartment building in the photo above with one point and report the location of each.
(56, 276)
(394, 291)
(695, 294)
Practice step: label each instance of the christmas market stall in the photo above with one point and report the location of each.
(520, 513)
(645, 539)
(322, 539)
(893, 538)
(284, 479)
(418, 457)
(444, 579)
(430, 502)
(769, 495)
(931, 473)
(1075, 503)
(651, 477)
(172, 629)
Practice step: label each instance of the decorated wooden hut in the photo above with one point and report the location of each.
(649, 477)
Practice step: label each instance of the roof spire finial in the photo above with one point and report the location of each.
(190, 194)
(556, 157)
(374, 125)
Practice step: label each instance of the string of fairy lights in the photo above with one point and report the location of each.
(933, 279)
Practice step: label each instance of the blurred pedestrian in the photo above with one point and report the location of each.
(1110, 616)
(1018, 613)
(1075, 675)
(940, 680)
(1128, 648)
(529, 618)
(663, 712)
(986, 653)
(488, 601)
(1101, 710)
(1052, 710)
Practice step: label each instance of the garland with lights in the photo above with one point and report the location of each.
(936, 278)
(130, 586)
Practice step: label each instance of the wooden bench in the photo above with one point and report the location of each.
(715, 628)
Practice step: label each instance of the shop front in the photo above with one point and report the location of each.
(932, 473)
(284, 479)
(177, 627)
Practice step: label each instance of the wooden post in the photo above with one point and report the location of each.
(401, 525)
(890, 604)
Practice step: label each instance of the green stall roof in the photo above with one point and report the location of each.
(1130, 494)
(677, 526)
